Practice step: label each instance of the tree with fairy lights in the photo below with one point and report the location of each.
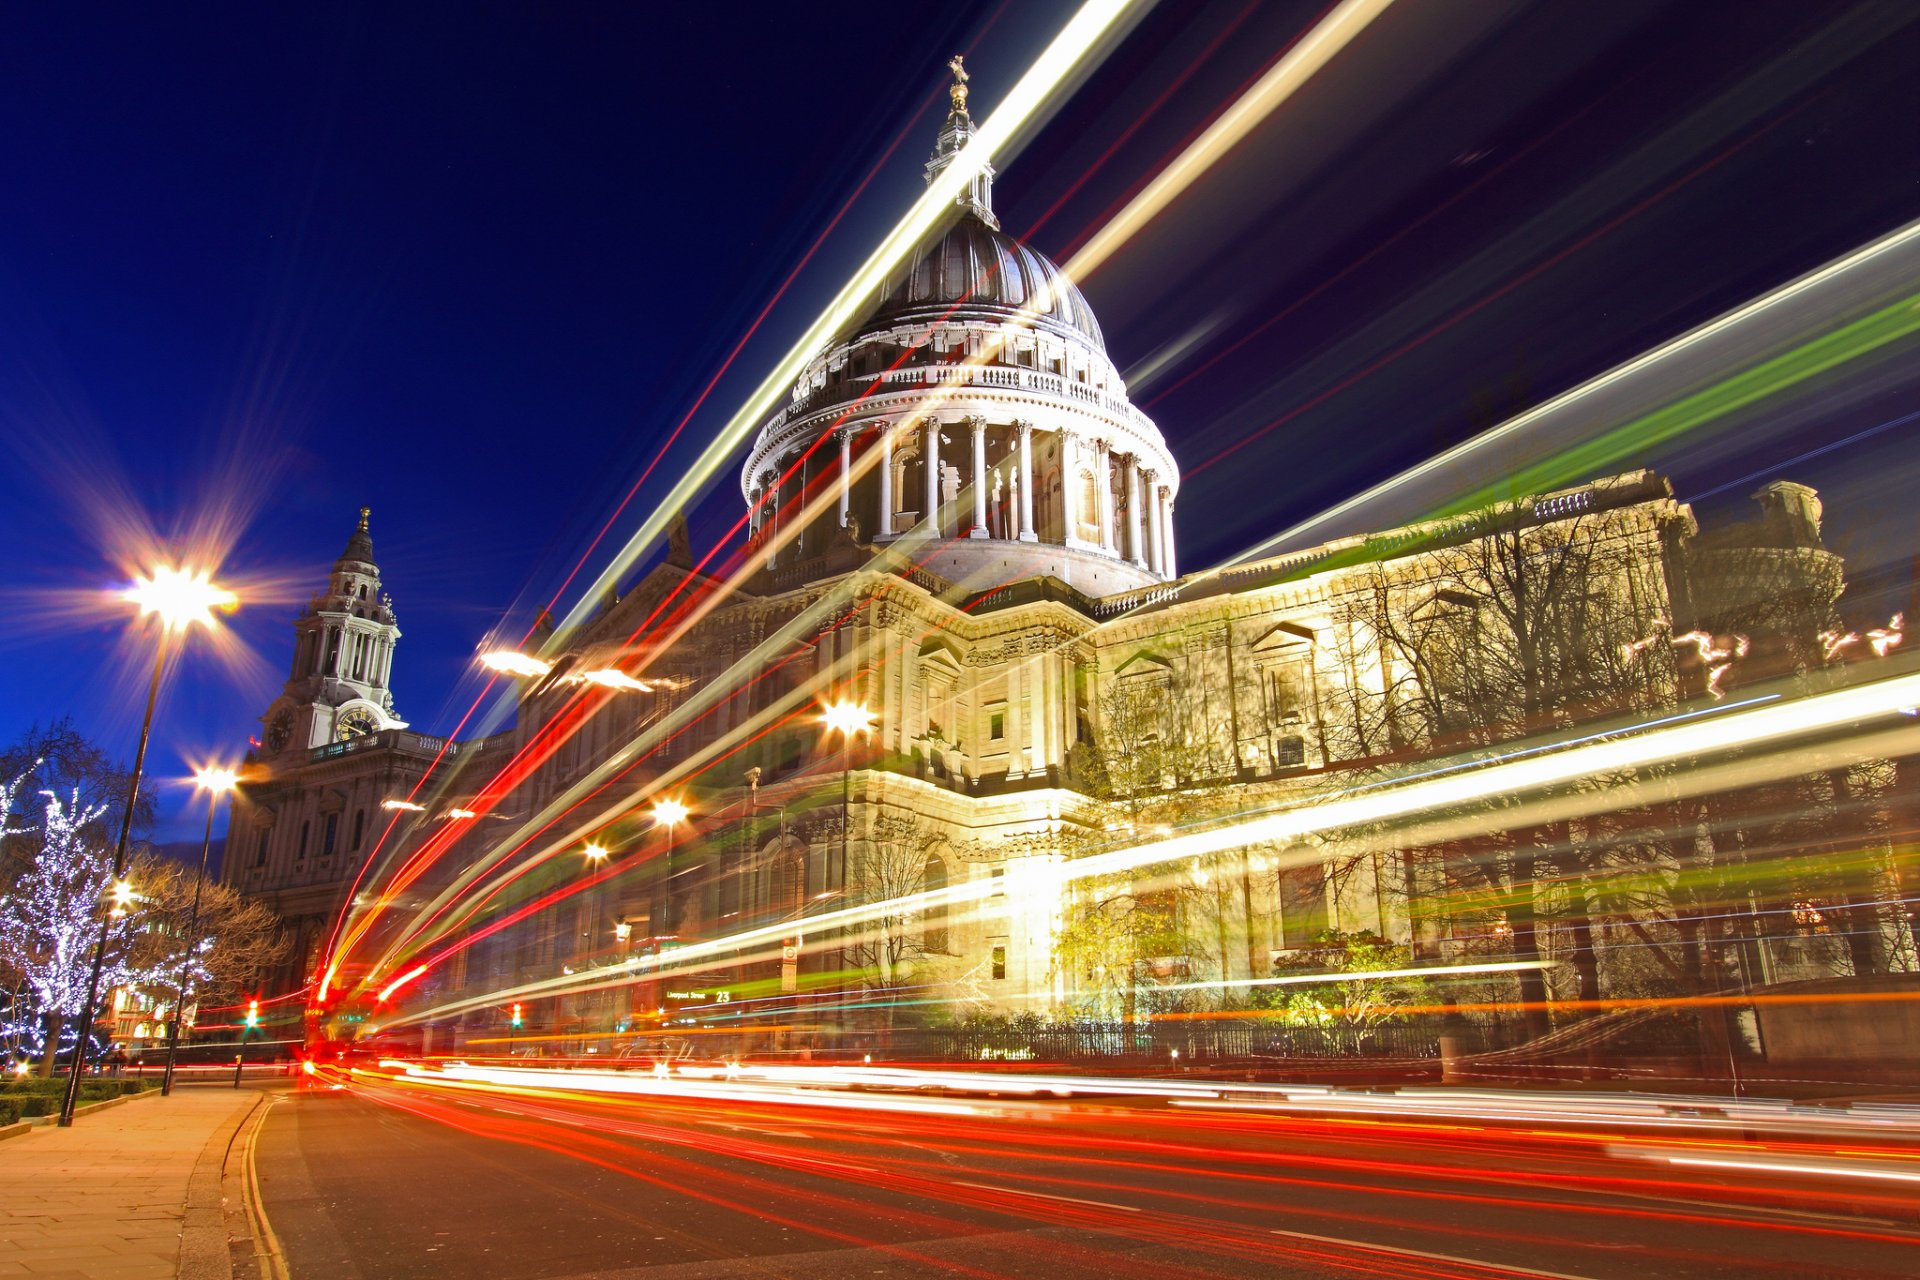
(56, 860)
(50, 917)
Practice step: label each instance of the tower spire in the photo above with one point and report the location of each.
(977, 196)
(360, 543)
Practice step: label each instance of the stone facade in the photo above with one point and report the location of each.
(962, 524)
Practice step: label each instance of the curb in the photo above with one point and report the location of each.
(205, 1247)
(250, 1236)
(28, 1125)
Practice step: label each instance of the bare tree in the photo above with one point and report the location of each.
(901, 860)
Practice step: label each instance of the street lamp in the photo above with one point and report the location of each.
(178, 598)
(668, 813)
(510, 663)
(596, 856)
(846, 719)
(216, 783)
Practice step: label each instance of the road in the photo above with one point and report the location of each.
(396, 1175)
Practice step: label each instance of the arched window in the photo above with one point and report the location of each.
(909, 484)
(933, 922)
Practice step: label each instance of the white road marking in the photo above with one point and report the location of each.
(1016, 1191)
(1432, 1257)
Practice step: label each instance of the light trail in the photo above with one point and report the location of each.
(1885, 699)
(1070, 55)
(1215, 1151)
(665, 733)
(1314, 50)
(1817, 297)
(1311, 53)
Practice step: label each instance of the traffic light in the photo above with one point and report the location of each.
(253, 1014)
(516, 1014)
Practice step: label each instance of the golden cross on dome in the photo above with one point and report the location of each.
(958, 89)
(364, 513)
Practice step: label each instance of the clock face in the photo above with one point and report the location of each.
(355, 724)
(280, 731)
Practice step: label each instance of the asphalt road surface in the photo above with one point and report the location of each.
(392, 1179)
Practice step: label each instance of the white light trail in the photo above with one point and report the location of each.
(1368, 975)
(1072, 52)
(1876, 267)
(1768, 723)
(1314, 51)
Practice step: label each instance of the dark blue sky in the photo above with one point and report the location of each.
(467, 265)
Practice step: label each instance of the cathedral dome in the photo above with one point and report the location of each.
(977, 271)
(973, 421)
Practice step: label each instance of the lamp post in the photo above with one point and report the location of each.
(216, 783)
(846, 719)
(178, 598)
(596, 855)
(668, 813)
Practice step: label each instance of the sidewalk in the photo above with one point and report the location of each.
(108, 1198)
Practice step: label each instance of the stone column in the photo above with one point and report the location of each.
(1166, 536)
(1103, 476)
(1025, 431)
(979, 426)
(846, 473)
(1131, 478)
(886, 481)
(1070, 487)
(1154, 562)
(777, 481)
(930, 466)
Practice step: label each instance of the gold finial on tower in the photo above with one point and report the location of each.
(364, 513)
(958, 89)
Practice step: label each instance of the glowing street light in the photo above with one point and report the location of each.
(180, 597)
(594, 852)
(216, 782)
(511, 663)
(461, 814)
(403, 806)
(177, 597)
(669, 813)
(847, 718)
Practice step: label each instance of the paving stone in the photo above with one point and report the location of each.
(105, 1199)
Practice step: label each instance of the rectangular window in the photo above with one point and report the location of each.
(999, 875)
(260, 847)
(999, 961)
(997, 726)
(329, 833)
(306, 829)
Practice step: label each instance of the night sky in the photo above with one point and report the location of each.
(469, 265)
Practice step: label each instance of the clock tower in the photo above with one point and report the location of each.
(343, 645)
